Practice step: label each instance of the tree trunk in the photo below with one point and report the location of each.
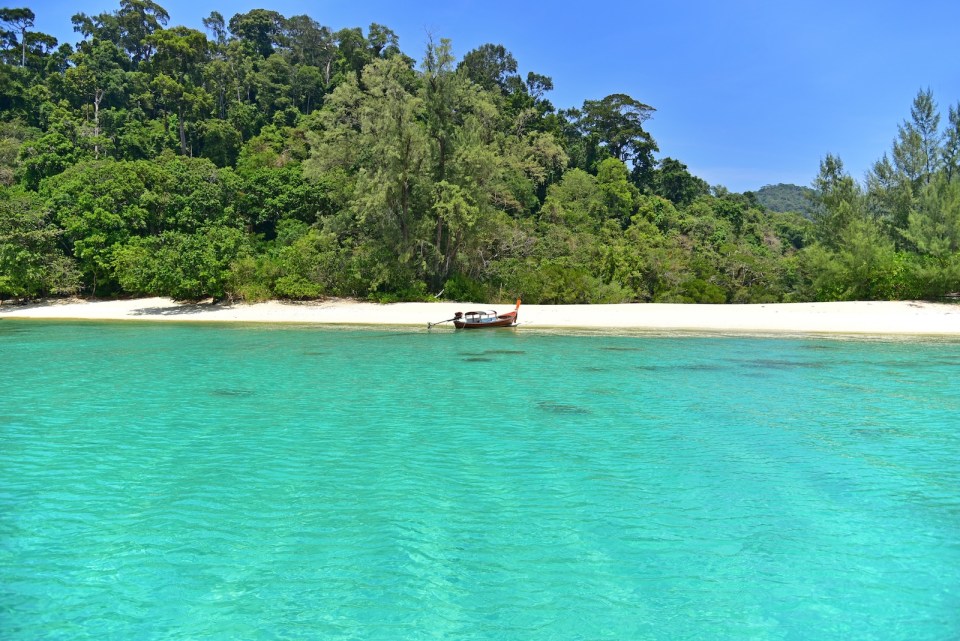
(443, 158)
(438, 277)
(97, 99)
(183, 132)
(404, 206)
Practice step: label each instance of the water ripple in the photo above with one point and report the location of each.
(189, 482)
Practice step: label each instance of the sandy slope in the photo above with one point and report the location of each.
(878, 318)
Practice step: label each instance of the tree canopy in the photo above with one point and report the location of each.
(260, 156)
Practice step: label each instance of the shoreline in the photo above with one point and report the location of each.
(867, 318)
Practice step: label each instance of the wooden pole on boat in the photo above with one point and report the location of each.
(429, 325)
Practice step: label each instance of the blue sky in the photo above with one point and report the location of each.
(747, 93)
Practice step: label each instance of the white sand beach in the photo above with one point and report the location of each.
(869, 318)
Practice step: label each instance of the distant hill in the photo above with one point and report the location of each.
(785, 198)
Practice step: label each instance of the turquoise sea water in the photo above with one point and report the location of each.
(242, 482)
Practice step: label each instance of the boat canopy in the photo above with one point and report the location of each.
(481, 317)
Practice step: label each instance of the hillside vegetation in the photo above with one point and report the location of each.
(270, 156)
(784, 198)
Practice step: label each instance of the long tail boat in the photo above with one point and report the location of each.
(487, 319)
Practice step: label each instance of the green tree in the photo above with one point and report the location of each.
(272, 85)
(619, 194)
(617, 124)
(353, 54)
(382, 41)
(53, 152)
(129, 28)
(31, 262)
(309, 42)
(951, 144)
(269, 195)
(674, 182)
(105, 205)
(221, 142)
(576, 202)
(189, 194)
(308, 262)
(480, 175)
(490, 66)
(182, 266)
(306, 87)
(440, 92)
(13, 134)
(391, 188)
(864, 266)
(839, 201)
(19, 20)
(261, 29)
(138, 20)
(889, 194)
(934, 223)
(99, 206)
(916, 150)
(215, 24)
(178, 81)
(95, 75)
(375, 133)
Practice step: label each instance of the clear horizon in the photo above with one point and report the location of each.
(746, 95)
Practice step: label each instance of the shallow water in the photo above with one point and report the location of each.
(224, 482)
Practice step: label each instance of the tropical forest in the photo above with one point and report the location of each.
(259, 156)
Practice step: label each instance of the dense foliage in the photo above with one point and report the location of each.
(270, 156)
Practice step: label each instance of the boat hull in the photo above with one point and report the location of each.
(503, 320)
